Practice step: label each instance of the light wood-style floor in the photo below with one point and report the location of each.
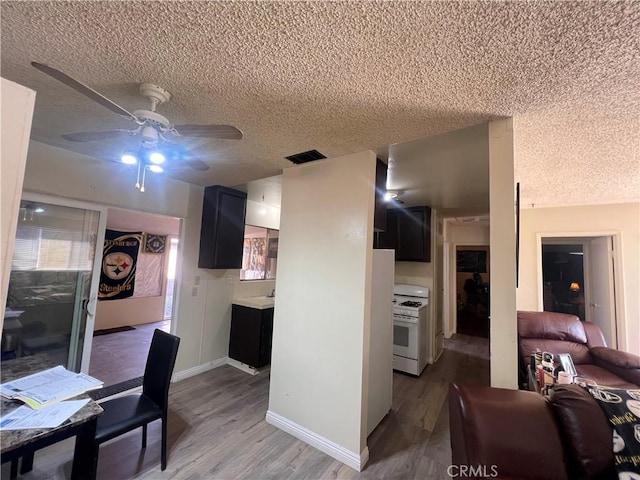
(121, 356)
(217, 431)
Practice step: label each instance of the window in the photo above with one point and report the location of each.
(260, 253)
(41, 248)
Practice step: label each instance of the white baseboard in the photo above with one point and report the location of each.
(247, 368)
(205, 367)
(349, 458)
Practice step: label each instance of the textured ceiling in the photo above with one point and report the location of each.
(346, 76)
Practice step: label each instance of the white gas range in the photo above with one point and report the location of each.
(410, 328)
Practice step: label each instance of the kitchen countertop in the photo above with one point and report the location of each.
(261, 303)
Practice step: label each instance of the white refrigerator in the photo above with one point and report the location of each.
(380, 389)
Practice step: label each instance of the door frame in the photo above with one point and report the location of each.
(97, 261)
(619, 325)
(450, 305)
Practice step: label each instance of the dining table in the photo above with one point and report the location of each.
(16, 444)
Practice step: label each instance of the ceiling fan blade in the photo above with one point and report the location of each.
(198, 165)
(85, 90)
(91, 136)
(210, 131)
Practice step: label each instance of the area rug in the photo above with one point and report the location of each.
(107, 331)
(114, 389)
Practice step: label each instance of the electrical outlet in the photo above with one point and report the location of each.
(196, 280)
(231, 279)
(194, 292)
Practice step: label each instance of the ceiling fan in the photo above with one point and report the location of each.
(153, 129)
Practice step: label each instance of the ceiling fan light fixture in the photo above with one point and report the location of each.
(156, 157)
(388, 196)
(155, 168)
(128, 158)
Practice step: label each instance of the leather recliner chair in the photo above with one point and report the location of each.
(563, 333)
(512, 434)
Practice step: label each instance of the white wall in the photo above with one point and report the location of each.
(503, 335)
(590, 220)
(17, 112)
(262, 215)
(318, 373)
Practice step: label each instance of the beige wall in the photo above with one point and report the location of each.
(415, 273)
(503, 336)
(593, 220)
(320, 340)
(262, 215)
(17, 111)
(137, 310)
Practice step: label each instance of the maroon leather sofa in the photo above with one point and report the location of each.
(563, 333)
(514, 434)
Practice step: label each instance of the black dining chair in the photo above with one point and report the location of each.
(123, 414)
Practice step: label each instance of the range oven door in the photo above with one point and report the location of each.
(405, 336)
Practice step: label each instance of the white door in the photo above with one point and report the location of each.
(600, 305)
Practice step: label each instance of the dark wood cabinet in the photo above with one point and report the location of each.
(222, 230)
(380, 211)
(251, 332)
(408, 233)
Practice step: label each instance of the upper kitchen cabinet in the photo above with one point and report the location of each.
(380, 212)
(222, 232)
(408, 233)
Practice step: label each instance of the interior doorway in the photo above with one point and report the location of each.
(124, 325)
(579, 277)
(171, 277)
(472, 290)
(563, 278)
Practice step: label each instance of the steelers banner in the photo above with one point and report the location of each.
(117, 277)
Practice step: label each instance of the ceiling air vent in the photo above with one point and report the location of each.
(305, 157)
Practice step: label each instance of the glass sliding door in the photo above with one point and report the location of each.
(51, 287)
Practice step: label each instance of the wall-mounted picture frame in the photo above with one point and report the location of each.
(470, 261)
(154, 243)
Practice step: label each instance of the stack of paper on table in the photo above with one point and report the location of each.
(50, 417)
(48, 387)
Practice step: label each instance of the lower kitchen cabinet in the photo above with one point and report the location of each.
(251, 332)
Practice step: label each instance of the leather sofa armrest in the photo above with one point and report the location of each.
(494, 429)
(625, 365)
(595, 338)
